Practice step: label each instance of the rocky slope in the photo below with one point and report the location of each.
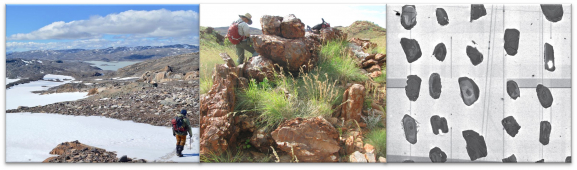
(364, 30)
(25, 68)
(179, 63)
(150, 99)
(336, 137)
(107, 54)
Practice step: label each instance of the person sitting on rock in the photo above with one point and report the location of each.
(246, 42)
(180, 127)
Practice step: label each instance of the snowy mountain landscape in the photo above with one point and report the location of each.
(128, 115)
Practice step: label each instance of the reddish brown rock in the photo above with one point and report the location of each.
(369, 63)
(167, 69)
(381, 57)
(313, 139)
(217, 134)
(355, 98)
(262, 140)
(291, 27)
(374, 68)
(259, 68)
(242, 83)
(92, 91)
(365, 44)
(76, 152)
(271, 25)
(291, 54)
(217, 125)
(329, 34)
(227, 60)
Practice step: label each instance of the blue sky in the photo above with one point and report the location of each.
(37, 27)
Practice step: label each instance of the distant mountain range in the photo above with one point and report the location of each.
(107, 54)
(223, 30)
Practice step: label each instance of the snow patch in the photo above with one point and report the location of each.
(21, 95)
(8, 81)
(25, 143)
(128, 78)
(59, 77)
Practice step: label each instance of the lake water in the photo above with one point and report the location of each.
(113, 65)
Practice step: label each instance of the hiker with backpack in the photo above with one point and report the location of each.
(180, 126)
(239, 35)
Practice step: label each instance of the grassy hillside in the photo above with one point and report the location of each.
(368, 30)
(318, 92)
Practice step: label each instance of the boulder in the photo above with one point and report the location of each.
(262, 140)
(167, 69)
(291, 27)
(92, 91)
(271, 25)
(381, 57)
(328, 34)
(374, 68)
(291, 54)
(375, 74)
(312, 140)
(217, 134)
(358, 157)
(259, 68)
(354, 97)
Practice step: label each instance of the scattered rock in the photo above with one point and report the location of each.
(313, 139)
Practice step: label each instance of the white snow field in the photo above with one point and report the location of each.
(21, 95)
(31, 136)
(8, 81)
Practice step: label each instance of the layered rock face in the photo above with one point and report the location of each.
(312, 140)
(217, 128)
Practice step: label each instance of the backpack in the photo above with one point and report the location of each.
(178, 124)
(321, 25)
(233, 35)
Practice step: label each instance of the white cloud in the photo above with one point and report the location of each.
(219, 15)
(154, 23)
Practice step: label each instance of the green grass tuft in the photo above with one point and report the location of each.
(378, 138)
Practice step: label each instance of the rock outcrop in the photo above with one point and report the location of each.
(285, 42)
(271, 25)
(354, 97)
(259, 68)
(76, 152)
(289, 53)
(312, 140)
(217, 126)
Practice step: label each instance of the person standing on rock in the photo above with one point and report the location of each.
(180, 126)
(239, 35)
